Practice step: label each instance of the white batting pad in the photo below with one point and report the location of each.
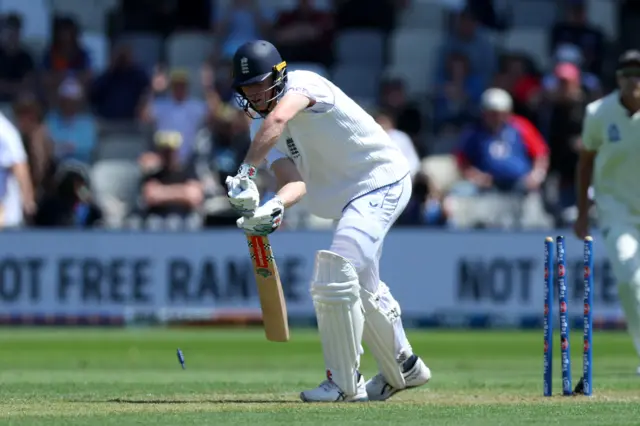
(336, 297)
(380, 335)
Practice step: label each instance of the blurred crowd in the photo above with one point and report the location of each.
(131, 123)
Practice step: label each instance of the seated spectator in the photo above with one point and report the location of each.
(17, 200)
(116, 94)
(576, 29)
(16, 64)
(230, 143)
(386, 120)
(561, 117)
(570, 54)
(38, 145)
(305, 34)
(456, 99)
(64, 56)
(425, 207)
(70, 204)
(518, 77)
(468, 38)
(173, 192)
(242, 21)
(178, 111)
(393, 98)
(74, 131)
(503, 152)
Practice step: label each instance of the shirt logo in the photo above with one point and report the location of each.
(613, 133)
(293, 150)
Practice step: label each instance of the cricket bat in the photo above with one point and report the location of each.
(274, 308)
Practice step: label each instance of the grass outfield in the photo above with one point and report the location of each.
(132, 377)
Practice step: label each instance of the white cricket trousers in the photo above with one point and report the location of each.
(360, 234)
(622, 243)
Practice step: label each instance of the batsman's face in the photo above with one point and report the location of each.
(260, 94)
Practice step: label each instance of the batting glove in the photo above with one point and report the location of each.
(266, 219)
(243, 194)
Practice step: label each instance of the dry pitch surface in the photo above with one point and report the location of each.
(234, 377)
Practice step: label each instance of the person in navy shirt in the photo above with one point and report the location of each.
(503, 151)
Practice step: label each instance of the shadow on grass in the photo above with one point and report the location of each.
(183, 401)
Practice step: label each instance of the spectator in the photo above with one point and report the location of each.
(518, 77)
(178, 112)
(404, 142)
(37, 142)
(570, 54)
(561, 119)
(117, 93)
(64, 56)
(575, 29)
(73, 130)
(71, 203)
(305, 34)
(173, 192)
(393, 98)
(17, 201)
(16, 64)
(468, 38)
(425, 207)
(503, 152)
(243, 21)
(230, 142)
(456, 99)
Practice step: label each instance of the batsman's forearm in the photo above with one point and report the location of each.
(584, 173)
(265, 140)
(291, 193)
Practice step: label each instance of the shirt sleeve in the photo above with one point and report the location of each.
(591, 132)
(313, 87)
(11, 148)
(535, 143)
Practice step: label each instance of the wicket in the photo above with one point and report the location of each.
(555, 268)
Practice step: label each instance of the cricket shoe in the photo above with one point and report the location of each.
(415, 372)
(328, 391)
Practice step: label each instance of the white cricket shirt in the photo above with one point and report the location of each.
(609, 130)
(11, 153)
(339, 149)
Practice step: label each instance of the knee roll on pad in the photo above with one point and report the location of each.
(379, 335)
(336, 298)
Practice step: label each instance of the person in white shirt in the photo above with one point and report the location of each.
(318, 142)
(401, 139)
(16, 190)
(609, 161)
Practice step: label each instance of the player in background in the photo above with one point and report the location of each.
(320, 143)
(610, 161)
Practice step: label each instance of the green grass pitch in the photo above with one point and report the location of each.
(235, 377)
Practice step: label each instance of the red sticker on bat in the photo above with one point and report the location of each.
(259, 252)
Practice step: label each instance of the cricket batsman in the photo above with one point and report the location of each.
(318, 142)
(610, 161)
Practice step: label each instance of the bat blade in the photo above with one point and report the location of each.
(272, 301)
